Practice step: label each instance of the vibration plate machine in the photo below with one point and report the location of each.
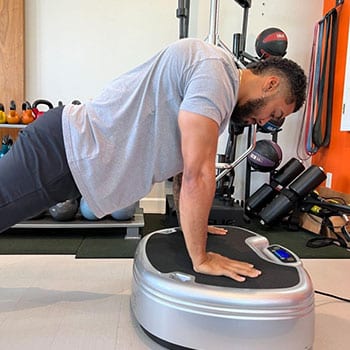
(182, 309)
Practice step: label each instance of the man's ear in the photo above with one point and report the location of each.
(271, 84)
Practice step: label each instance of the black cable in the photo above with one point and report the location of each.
(332, 296)
(334, 207)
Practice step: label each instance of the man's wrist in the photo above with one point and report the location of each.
(199, 259)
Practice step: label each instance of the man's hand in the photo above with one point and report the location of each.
(218, 265)
(214, 230)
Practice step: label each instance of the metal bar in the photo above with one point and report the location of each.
(244, 3)
(183, 13)
(248, 173)
(229, 167)
(244, 29)
(214, 22)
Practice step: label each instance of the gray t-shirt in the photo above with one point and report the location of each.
(126, 139)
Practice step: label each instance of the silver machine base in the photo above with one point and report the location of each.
(185, 310)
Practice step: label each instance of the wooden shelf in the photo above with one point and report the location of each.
(11, 130)
(13, 126)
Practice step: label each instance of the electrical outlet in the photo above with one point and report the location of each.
(329, 180)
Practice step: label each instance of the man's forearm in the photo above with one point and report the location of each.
(196, 198)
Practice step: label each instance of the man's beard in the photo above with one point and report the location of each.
(241, 113)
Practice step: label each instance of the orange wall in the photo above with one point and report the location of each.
(335, 159)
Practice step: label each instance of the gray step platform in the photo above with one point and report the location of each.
(132, 226)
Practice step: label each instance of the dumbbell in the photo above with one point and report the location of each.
(64, 211)
(126, 213)
(85, 211)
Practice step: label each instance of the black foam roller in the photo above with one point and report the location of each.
(308, 181)
(288, 172)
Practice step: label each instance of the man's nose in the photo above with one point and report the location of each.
(263, 120)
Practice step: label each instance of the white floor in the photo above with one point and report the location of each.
(59, 302)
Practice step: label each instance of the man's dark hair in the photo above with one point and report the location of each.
(290, 70)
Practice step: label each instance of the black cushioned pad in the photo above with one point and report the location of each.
(167, 253)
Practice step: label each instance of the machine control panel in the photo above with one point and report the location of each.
(282, 254)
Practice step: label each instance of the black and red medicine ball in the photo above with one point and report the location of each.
(266, 156)
(271, 42)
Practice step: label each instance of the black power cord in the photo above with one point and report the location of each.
(332, 296)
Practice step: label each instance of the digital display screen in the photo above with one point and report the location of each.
(282, 254)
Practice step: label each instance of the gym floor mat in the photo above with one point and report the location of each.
(24, 241)
(107, 245)
(110, 243)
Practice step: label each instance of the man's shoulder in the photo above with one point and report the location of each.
(190, 44)
(192, 50)
(201, 49)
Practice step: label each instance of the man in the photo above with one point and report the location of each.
(160, 119)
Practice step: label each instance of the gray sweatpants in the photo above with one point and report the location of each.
(34, 174)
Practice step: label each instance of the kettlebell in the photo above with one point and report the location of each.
(125, 214)
(27, 113)
(3, 118)
(6, 144)
(64, 211)
(38, 113)
(13, 117)
(86, 212)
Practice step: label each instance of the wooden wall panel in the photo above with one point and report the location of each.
(11, 50)
(11, 55)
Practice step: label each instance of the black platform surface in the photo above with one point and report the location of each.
(174, 257)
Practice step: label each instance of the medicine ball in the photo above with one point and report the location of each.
(271, 42)
(64, 211)
(266, 156)
(124, 214)
(86, 212)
